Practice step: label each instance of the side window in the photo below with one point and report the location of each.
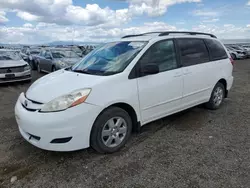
(42, 53)
(47, 54)
(162, 54)
(192, 51)
(216, 50)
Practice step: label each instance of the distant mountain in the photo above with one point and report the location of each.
(235, 41)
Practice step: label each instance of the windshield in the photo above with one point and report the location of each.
(110, 58)
(64, 54)
(34, 52)
(9, 55)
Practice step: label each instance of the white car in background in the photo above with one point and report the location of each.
(122, 86)
(12, 67)
(236, 54)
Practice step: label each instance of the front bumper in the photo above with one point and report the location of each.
(72, 126)
(230, 82)
(20, 76)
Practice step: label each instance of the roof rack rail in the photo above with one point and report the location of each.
(127, 36)
(171, 32)
(186, 32)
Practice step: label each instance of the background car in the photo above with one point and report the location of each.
(23, 53)
(241, 49)
(12, 67)
(50, 60)
(236, 54)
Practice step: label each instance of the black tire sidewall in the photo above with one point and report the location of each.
(96, 138)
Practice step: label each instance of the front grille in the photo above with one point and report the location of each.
(11, 69)
(15, 78)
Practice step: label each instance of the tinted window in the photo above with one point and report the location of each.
(161, 54)
(192, 51)
(42, 53)
(47, 54)
(216, 50)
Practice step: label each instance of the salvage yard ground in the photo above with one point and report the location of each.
(195, 148)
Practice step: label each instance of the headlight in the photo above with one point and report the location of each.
(66, 101)
(62, 64)
(27, 67)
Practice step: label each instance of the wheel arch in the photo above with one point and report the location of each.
(224, 82)
(130, 110)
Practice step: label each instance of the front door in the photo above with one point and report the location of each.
(160, 94)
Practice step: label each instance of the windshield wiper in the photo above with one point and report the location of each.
(81, 71)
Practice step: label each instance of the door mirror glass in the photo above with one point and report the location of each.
(149, 69)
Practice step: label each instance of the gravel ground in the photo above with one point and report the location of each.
(195, 148)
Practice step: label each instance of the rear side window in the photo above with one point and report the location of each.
(192, 51)
(216, 50)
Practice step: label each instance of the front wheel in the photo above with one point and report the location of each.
(111, 130)
(217, 97)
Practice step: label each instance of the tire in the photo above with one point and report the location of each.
(53, 69)
(217, 97)
(38, 68)
(104, 138)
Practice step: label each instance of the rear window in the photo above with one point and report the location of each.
(192, 51)
(216, 50)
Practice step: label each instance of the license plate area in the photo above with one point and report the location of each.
(9, 75)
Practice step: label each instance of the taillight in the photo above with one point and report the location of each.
(232, 61)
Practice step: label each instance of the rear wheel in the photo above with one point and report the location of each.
(217, 97)
(111, 130)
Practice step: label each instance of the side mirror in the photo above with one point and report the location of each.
(149, 69)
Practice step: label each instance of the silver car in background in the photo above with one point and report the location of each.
(13, 68)
(50, 60)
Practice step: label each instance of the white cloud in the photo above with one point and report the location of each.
(205, 13)
(211, 20)
(227, 31)
(3, 18)
(43, 32)
(154, 7)
(27, 25)
(47, 32)
(65, 13)
(27, 16)
(248, 3)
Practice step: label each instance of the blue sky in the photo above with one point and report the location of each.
(39, 21)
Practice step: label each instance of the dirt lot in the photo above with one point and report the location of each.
(196, 148)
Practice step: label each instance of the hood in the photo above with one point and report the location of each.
(60, 83)
(69, 61)
(12, 63)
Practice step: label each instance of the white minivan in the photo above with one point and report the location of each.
(122, 86)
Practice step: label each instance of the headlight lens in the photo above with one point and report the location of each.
(27, 67)
(62, 64)
(66, 101)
